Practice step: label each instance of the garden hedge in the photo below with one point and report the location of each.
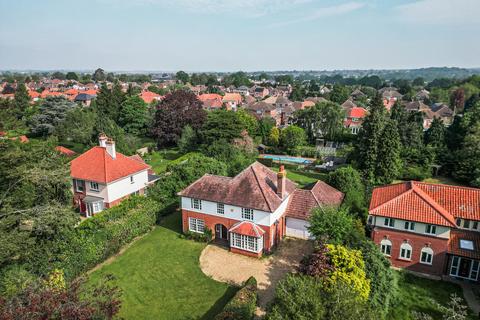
(243, 304)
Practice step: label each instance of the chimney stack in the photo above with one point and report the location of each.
(102, 140)
(281, 179)
(110, 144)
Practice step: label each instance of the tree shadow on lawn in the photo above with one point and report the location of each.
(220, 303)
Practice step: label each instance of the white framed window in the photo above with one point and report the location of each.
(409, 225)
(132, 180)
(196, 204)
(406, 251)
(426, 255)
(431, 229)
(386, 247)
(247, 214)
(389, 222)
(220, 208)
(466, 224)
(94, 186)
(78, 185)
(246, 243)
(94, 207)
(475, 225)
(196, 225)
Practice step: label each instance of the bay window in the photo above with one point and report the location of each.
(246, 243)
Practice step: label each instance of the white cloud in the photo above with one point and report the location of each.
(440, 12)
(324, 12)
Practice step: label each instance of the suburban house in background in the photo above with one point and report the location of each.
(428, 228)
(102, 177)
(254, 210)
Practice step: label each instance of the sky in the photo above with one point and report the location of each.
(232, 35)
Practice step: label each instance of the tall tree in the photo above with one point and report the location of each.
(292, 137)
(99, 75)
(369, 140)
(339, 94)
(52, 114)
(174, 112)
(133, 115)
(182, 76)
(468, 166)
(221, 124)
(72, 76)
(389, 163)
(21, 100)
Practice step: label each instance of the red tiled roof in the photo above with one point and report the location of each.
(247, 228)
(97, 165)
(356, 112)
(149, 96)
(425, 202)
(303, 201)
(454, 243)
(65, 151)
(210, 96)
(255, 188)
(237, 97)
(33, 94)
(72, 91)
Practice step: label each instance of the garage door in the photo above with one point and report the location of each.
(297, 228)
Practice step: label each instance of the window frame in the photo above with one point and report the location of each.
(246, 243)
(92, 183)
(196, 204)
(406, 251)
(247, 214)
(196, 225)
(431, 229)
(426, 252)
(389, 222)
(409, 226)
(220, 208)
(132, 180)
(78, 183)
(386, 247)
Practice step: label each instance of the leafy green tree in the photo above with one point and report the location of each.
(99, 75)
(21, 100)
(182, 76)
(235, 158)
(248, 121)
(418, 82)
(79, 126)
(188, 141)
(349, 181)
(369, 140)
(265, 125)
(468, 166)
(435, 138)
(274, 137)
(332, 225)
(339, 94)
(133, 115)
(221, 125)
(174, 112)
(52, 113)
(71, 76)
(389, 163)
(292, 137)
(325, 118)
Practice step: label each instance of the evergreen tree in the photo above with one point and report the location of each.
(389, 163)
(118, 97)
(133, 116)
(99, 75)
(21, 100)
(369, 139)
(468, 166)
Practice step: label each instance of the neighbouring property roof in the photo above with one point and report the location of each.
(84, 97)
(65, 151)
(356, 112)
(247, 228)
(255, 188)
(456, 236)
(303, 201)
(425, 202)
(97, 165)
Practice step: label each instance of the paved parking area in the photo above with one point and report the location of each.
(222, 265)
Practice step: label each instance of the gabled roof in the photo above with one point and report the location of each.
(348, 104)
(247, 228)
(303, 201)
(424, 202)
(255, 188)
(97, 165)
(356, 112)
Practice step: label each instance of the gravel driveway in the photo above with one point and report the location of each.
(222, 265)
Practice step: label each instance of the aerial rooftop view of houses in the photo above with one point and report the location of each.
(240, 160)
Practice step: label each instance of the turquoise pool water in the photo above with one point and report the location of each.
(287, 159)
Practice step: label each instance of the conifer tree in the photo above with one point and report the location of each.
(389, 163)
(21, 100)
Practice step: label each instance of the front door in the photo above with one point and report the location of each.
(464, 270)
(221, 232)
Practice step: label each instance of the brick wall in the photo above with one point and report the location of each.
(211, 221)
(417, 241)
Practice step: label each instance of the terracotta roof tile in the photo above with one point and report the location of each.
(65, 151)
(97, 165)
(247, 228)
(454, 243)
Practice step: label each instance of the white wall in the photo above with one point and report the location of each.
(123, 187)
(297, 228)
(442, 232)
(234, 212)
(101, 193)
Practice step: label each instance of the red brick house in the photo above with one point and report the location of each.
(254, 210)
(103, 177)
(428, 228)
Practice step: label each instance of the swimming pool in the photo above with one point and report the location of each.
(287, 159)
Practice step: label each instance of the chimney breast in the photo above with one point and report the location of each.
(110, 145)
(281, 179)
(102, 140)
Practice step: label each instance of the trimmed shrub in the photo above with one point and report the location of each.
(206, 236)
(243, 304)
(103, 235)
(416, 173)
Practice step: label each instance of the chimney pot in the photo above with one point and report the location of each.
(102, 140)
(110, 145)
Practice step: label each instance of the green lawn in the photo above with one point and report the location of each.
(421, 295)
(160, 159)
(161, 278)
(302, 178)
